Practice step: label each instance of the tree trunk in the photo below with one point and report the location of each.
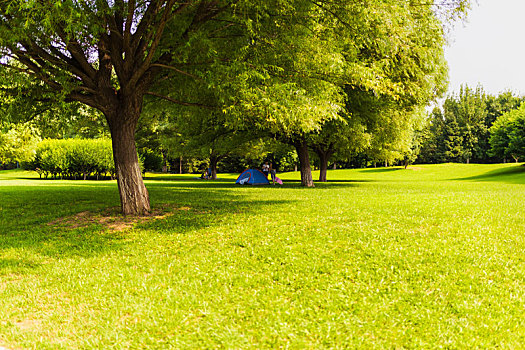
(134, 198)
(306, 171)
(323, 164)
(180, 165)
(213, 166)
(164, 162)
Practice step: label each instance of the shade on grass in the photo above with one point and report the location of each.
(428, 257)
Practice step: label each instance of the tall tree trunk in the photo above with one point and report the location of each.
(134, 198)
(323, 164)
(180, 165)
(213, 166)
(301, 147)
(164, 162)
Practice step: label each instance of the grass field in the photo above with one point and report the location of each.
(429, 257)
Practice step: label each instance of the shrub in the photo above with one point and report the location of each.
(74, 158)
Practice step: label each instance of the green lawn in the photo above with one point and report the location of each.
(429, 257)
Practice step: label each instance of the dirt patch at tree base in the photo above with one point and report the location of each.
(112, 219)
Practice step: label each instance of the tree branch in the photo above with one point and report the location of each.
(176, 70)
(190, 104)
(127, 29)
(152, 50)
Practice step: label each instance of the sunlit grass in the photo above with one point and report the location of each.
(428, 257)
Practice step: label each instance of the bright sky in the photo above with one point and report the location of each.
(489, 48)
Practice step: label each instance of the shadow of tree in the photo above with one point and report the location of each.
(28, 217)
(379, 170)
(509, 175)
(229, 184)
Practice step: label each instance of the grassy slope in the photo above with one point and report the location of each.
(427, 257)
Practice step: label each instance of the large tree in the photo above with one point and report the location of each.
(106, 55)
(392, 52)
(110, 54)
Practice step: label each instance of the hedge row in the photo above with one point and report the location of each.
(74, 158)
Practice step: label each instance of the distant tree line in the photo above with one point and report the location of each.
(460, 131)
(471, 126)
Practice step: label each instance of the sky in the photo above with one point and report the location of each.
(489, 48)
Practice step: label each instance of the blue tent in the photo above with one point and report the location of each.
(252, 177)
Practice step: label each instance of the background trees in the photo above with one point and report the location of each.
(508, 135)
(17, 144)
(459, 132)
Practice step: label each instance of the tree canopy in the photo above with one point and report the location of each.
(508, 134)
(274, 65)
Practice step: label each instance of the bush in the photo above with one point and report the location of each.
(74, 158)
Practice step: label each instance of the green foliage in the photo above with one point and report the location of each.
(432, 139)
(460, 131)
(152, 161)
(394, 68)
(453, 141)
(282, 156)
(25, 100)
(18, 144)
(465, 118)
(393, 135)
(508, 134)
(288, 75)
(74, 158)
(276, 66)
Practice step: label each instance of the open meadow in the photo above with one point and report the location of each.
(428, 257)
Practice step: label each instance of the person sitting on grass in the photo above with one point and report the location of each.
(265, 169)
